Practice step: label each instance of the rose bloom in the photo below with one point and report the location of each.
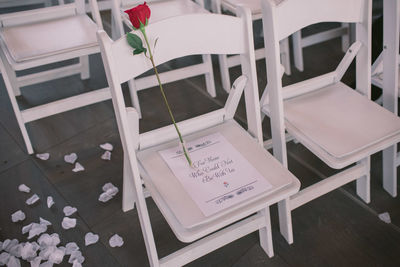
(138, 15)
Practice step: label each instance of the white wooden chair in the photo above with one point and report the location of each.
(341, 126)
(298, 41)
(226, 62)
(162, 9)
(385, 74)
(28, 39)
(14, 3)
(180, 36)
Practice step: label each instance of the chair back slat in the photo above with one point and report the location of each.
(314, 11)
(197, 39)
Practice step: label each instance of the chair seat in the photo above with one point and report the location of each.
(340, 125)
(161, 10)
(181, 212)
(43, 39)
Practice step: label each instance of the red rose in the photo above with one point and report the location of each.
(139, 14)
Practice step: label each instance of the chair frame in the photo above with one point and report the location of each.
(132, 142)
(275, 94)
(387, 64)
(225, 62)
(119, 19)
(13, 82)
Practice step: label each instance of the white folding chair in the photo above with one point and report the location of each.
(385, 74)
(341, 126)
(226, 62)
(181, 36)
(29, 39)
(15, 3)
(162, 9)
(300, 42)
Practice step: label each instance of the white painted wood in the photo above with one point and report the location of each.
(42, 17)
(162, 9)
(327, 185)
(285, 220)
(265, 234)
(390, 92)
(226, 62)
(314, 97)
(48, 75)
(187, 221)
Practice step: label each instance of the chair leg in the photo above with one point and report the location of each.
(134, 97)
(285, 220)
(85, 71)
(265, 234)
(209, 76)
(363, 183)
(114, 31)
(128, 191)
(298, 51)
(224, 69)
(390, 170)
(11, 85)
(285, 55)
(346, 37)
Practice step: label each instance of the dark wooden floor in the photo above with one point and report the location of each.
(337, 229)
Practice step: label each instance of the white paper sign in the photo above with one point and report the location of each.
(220, 177)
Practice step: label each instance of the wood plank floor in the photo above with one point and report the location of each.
(337, 229)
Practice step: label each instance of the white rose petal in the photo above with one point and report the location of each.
(116, 241)
(68, 223)
(44, 156)
(32, 200)
(24, 188)
(18, 216)
(71, 158)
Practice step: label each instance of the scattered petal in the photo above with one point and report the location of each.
(36, 262)
(68, 223)
(28, 251)
(107, 146)
(106, 155)
(76, 264)
(8, 244)
(68, 210)
(71, 158)
(78, 167)
(32, 200)
(109, 192)
(50, 202)
(37, 229)
(18, 216)
(104, 197)
(57, 256)
(4, 257)
(44, 222)
(91, 238)
(44, 156)
(385, 217)
(13, 262)
(45, 252)
(116, 241)
(76, 256)
(24, 188)
(71, 247)
(26, 228)
(16, 250)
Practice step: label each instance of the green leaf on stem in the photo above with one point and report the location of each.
(134, 41)
(138, 51)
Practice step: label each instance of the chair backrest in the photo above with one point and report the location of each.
(178, 37)
(43, 14)
(283, 18)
